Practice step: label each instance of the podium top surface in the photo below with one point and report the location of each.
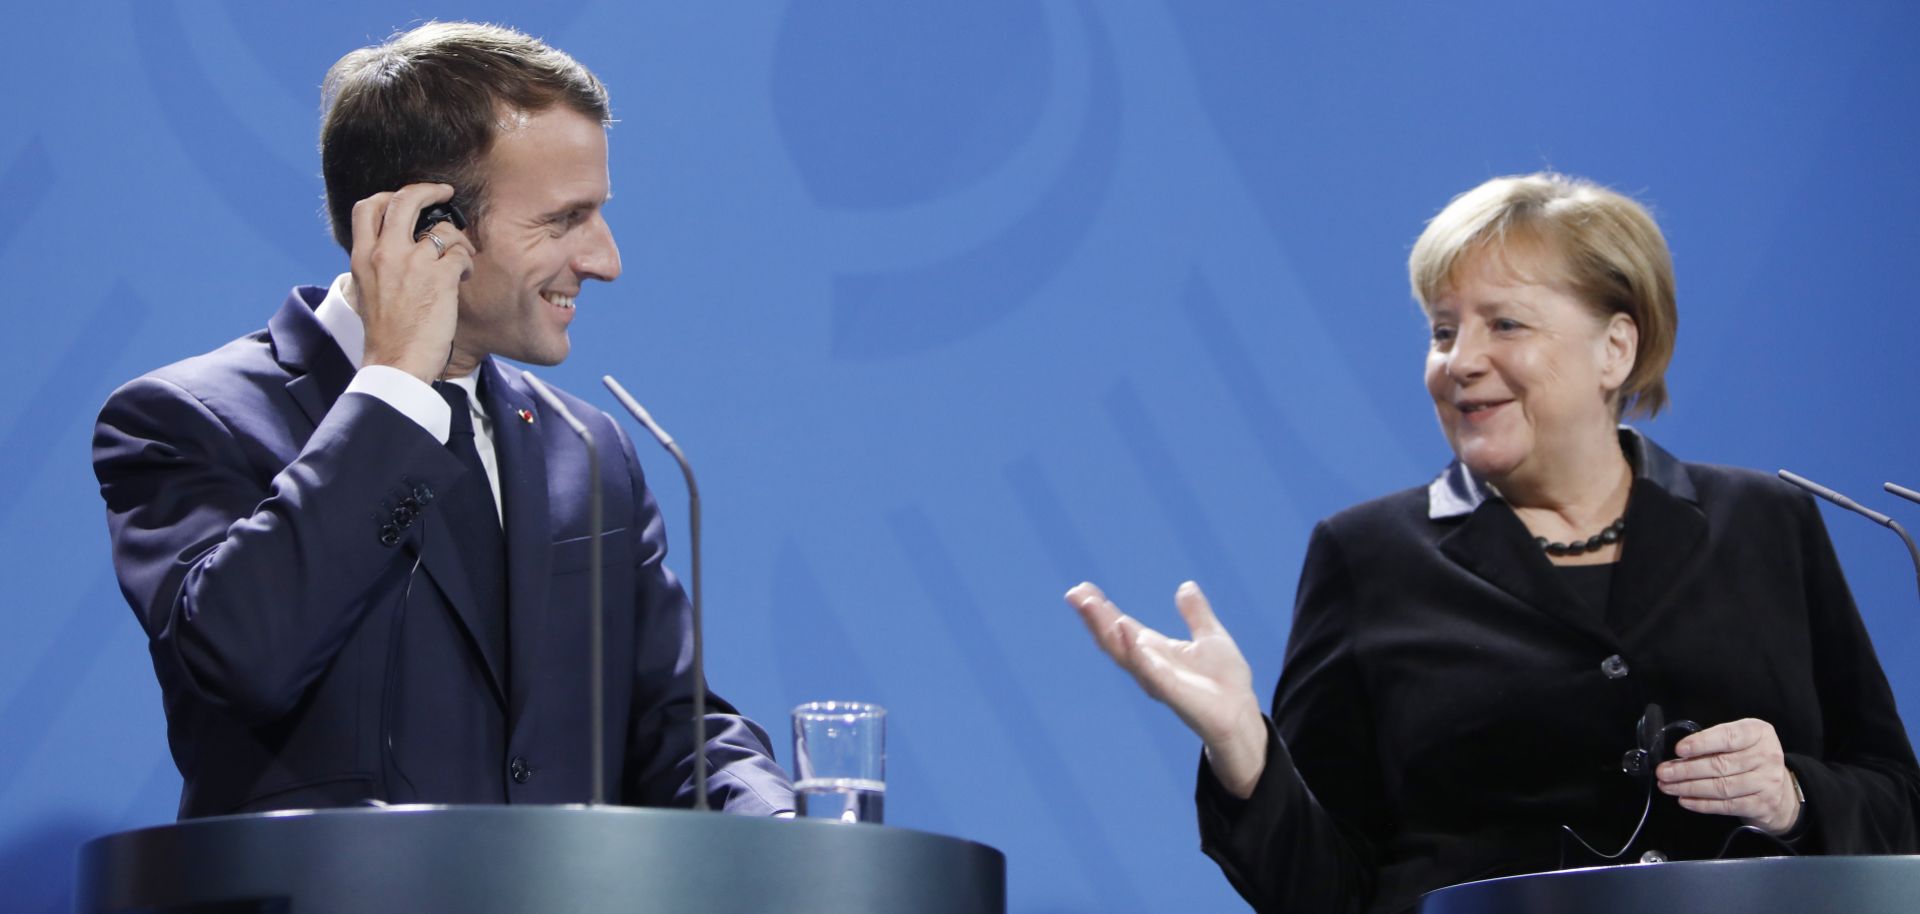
(1857, 885)
(520, 858)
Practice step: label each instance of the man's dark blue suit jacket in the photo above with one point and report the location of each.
(310, 620)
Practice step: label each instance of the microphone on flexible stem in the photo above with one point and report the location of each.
(1902, 491)
(597, 699)
(1863, 511)
(645, 418)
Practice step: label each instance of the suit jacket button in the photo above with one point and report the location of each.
(520, 770)
(389, 535)
(422, 494)
(403, 516)
(1613, 667)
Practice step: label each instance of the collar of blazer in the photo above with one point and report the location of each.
(1456, 492)
(1666, 529)
(319, 372)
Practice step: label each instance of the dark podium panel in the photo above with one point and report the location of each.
(1774, 885)
(485, 859)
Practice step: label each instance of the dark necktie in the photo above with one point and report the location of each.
(475, 523)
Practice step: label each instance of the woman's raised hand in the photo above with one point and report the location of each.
(1205, 680)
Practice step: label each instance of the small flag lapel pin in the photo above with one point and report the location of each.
(526, 415)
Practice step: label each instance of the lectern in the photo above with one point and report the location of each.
(551, 859)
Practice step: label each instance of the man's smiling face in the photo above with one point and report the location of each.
(543, 235)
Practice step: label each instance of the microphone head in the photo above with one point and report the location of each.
(1902, 491)
(1808, 484)
(639, 412)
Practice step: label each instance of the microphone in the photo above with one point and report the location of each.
(1863, 511)
(645, 418)
(1839, 499)
(1902, 491)
(596, 646)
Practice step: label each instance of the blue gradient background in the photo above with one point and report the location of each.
(957, 304)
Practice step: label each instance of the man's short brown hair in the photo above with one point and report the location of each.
(425, 105)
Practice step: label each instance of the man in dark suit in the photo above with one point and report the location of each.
(357, 542)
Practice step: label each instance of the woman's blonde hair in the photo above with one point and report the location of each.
(1611, 256)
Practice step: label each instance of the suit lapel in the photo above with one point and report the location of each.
(1495, 546)
(523, 493)
(319, 371)
(1665, 533)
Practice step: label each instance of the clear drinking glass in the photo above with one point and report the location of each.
(840, 760)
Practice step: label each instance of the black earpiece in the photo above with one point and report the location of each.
(438, 213)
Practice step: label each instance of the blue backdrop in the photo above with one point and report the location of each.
(956, 304)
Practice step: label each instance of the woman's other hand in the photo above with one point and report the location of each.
(1205, 680)
(1734, 769)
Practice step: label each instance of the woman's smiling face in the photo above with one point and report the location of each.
(1522, 372)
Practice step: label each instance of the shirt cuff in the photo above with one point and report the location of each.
(414, 398)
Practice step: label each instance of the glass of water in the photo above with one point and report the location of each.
(840, 760)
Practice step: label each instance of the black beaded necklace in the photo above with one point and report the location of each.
(1614, 533)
